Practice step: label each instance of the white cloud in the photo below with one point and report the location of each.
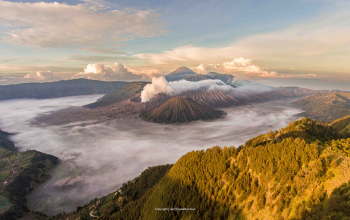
(242, 67)
(60, 25)
(161, 85)
(307, 75)
(237, 66)
(201, 69)
(147, 72)
(99, 71)
(190, 55)
(41, 76)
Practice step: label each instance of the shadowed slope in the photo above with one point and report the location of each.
(179, 110)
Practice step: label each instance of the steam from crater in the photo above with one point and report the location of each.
(161, 85)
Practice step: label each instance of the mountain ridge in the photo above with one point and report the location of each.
(57, 89)
(325, 106)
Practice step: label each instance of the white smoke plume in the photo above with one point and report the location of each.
(161, 85)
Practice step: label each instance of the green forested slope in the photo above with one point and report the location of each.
(299, 172)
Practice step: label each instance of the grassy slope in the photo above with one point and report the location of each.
(325, 106)
(31, 168)
(123, 93)
(180, 110)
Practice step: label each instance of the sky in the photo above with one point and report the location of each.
(280, 43)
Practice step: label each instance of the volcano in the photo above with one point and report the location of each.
(180, 110)
(179, 74)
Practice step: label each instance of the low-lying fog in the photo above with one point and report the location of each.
(98, 158)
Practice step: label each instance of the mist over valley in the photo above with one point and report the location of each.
(97, 158)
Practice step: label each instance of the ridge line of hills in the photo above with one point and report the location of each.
(58, 89)
(325, 106)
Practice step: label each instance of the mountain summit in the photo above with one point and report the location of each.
(179, 74)
(179, 110)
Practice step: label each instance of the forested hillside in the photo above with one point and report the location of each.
(325, 106)
(20, 172)
(58, 89)
(299, 172)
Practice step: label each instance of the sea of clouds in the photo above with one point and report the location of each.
(96, 159)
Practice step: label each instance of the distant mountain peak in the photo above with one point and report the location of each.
(180, 73)
(182, 70)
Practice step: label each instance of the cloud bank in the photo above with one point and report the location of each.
(161, 85)
(99, 71)
(237, 65)
(41, 76)
(147, 72)
(56, 24)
